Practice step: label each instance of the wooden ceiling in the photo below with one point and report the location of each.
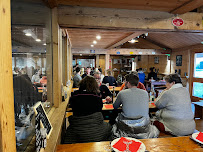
(171, 6)
(19, 38)
(83, 38)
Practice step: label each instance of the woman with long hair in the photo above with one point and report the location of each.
(86, 123)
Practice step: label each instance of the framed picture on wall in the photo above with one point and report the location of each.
(156, 60)
(178, 60)
(139, 57)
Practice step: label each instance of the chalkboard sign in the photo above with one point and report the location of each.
(44, 121)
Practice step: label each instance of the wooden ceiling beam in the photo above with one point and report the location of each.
(122, 51)
(188, 6)
(124, 40)
(51, 3)
(105, 18)
(157, 44)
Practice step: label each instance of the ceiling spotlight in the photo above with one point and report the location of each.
(133, 41)
(38, 40)
(80, 54)
(95, 42)
(98, 37)
(28, 34)
(44, 44)
(153, 52)
(92, 45)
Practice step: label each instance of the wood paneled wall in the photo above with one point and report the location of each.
(102, 62)
(7, 123)
(147, 61)
(185, 61)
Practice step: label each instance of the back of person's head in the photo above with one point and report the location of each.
(173, 78)
(109, 73)
(16, 69)
(140, 69)
(133, 79)
(151, 69)
(134, 72)
(89, 84)
(100, 70)
(77, 69)
(36, 71)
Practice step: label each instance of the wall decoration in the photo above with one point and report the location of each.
(139, 57)
(156, 60)
(116, 61)
(178, 60)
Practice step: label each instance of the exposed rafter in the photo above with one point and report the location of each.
(188, 6)
(129, 37)
(157, 44)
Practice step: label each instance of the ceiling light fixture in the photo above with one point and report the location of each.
(44, 44)
(28, 34)
(95, 42)
(98, 37)
(133, 41)
(92, 45)
(38, 40)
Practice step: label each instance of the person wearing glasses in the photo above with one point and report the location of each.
(175, 115)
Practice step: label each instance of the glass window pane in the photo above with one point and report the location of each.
(198, 89)
(32, 64)
(198, 65)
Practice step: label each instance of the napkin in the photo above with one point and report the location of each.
(121, 146)
(108, 106)
(200, 137)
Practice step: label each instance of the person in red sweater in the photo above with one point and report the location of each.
(140, 85)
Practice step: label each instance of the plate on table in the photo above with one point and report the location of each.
(141, 148)
(194, 136)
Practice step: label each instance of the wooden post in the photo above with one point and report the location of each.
(97, 61)
(56, 58)
(70, 58)
(107, 57)
(65, 61)
(7, 123)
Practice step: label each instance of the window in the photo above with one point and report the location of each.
(197, 89)
(198, 65)
(32, 64)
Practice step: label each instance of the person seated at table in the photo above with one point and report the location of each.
(101, 75)
(175, 115)
(36, 77)
(88, 70)
(140, 85)
(77, 78)
(134, 120)
(141, 75)
(43, 81)
(104, 90)
(109, 79)
(86, 123)
(152, 74)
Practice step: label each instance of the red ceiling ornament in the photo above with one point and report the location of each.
(177, 21)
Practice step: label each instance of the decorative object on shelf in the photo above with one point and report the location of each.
(178, 60)
(156, 60)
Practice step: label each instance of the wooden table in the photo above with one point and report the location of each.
(110, 88)
(171, 144)
(151, 106)
(198, 109)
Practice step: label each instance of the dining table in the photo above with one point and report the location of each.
(111, 88)
(170, 144)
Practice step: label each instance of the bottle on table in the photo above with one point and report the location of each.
(152, 94)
